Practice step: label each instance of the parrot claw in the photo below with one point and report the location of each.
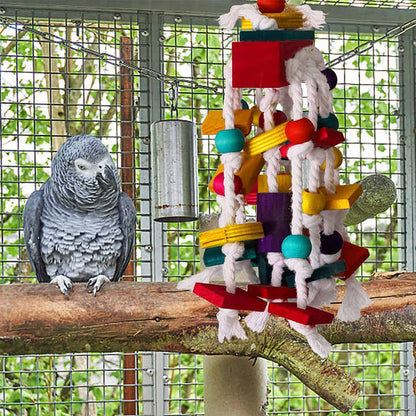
(97, 281)
(64, 283)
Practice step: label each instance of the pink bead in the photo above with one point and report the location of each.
(218, 184)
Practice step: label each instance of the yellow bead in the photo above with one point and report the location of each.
(284, 182)
(313, 202)
(231, 234)
(338, 159)
(256, 115)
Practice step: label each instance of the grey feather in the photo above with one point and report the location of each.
(80, 225)
(32, 226)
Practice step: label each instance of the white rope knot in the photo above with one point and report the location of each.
(232, 251)
(229, 325)
(250, 12)
(303, 270)
(277, 261)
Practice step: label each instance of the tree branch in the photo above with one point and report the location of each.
(131, 316)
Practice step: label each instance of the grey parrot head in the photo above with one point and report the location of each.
(84, 173)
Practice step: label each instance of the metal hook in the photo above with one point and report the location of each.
(173, 97)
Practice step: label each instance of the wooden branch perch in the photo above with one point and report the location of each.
(130, 316)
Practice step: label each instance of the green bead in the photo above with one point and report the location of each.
(296, 247)
(331, 122)
(244, 105)
(230, 140)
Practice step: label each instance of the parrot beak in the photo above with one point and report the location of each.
(108, 179)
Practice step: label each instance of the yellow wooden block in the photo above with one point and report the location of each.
(214, 122)
(284, 182)
(231, 234)
(337, 161)
(250, 168)
(344, 196)
(267, 140)
(285, 20)
(313, 202)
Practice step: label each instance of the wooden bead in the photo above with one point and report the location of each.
(229, 140)
(218, 184)
(312, 202)
(279, 117)
(337, 161)
(331, 121)
(296, 246)
(230, 234)
(331, 77)
(299, 131)
(332, 243)
(271, 6)
(244, 105)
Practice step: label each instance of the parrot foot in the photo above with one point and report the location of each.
(64, 283)
(97, 281)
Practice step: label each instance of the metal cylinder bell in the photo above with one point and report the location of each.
(174, 171)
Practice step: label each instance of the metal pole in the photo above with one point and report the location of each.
(127, 185)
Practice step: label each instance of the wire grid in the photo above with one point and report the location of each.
(368, 106)
(194, 47)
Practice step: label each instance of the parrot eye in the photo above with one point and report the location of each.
(81, 167)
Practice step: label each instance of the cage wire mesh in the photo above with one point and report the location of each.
(49, 92)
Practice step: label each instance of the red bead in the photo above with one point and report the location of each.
(271, 6)
(299, 131)
(218, 184)
(279, 117)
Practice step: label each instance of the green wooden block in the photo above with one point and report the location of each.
(276, 35)
(214, 256)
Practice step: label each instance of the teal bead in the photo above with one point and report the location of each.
(244, 105)
(331, 122)
(230, 140)
(296, 247)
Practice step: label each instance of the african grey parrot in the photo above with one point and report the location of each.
(79, 226)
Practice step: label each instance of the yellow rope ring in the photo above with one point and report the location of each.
(231, 234)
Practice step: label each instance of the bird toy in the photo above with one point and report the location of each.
(289, 170)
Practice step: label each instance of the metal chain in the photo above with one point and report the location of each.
(364, 47)
(174, 82)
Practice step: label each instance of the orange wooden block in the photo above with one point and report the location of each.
(250, 168)
(344, 196)
(214, 122)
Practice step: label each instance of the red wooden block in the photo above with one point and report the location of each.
(262, 64)
(251, 198)
(353, 256)
(308, 316)
(272, 292)
(218, 296)
(327, 137)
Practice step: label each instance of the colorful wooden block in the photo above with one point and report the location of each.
(214, 122)
(284, 181)
(251, 197)
(308, 316)
(274, 211)
(218, 296)
(272, 292)
(344, 196)
(214, 256)
(265, 141)
(251, 166)
(230, 234)
(324, 272)
(286, 20)
(326, 138)
(262, 64)
(276, 35)
(353, 256)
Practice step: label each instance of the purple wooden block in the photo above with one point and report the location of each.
(274, 212)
